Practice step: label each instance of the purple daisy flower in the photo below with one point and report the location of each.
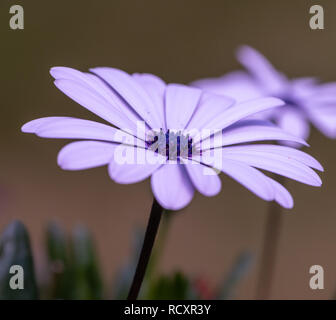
(178, 158)
(307, 101)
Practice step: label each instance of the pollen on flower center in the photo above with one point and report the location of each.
(173, 145)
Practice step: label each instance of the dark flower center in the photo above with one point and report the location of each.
(173, 145)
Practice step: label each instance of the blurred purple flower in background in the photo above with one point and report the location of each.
(171, 113)
(307, 101)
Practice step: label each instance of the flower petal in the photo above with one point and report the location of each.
(324, 119)
(172, 187)
(92, 101)
(81, 155)
(238, 112)
(303, 87)
(144, 164)
(249, 177)
(238, 85)
(86, 79)
(72, 128)
(181, 102)
(254, 180)
(210, 106)
(247, 131)
(132, 92)
(276, 163)
(34, 125)
(261, 69)
(281, 195)
(99, 87)
(155, 88)
(205, 179)
(293, 122)
(281, 151)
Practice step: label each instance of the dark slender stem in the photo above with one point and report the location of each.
(159, 244)
(151, 231)
(270, 248)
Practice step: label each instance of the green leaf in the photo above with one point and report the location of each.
(87, 278)
(176, 286)
(59, 264)
(15, 250)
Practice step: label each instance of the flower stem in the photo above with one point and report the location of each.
(151, 231)
(269, 251)
(158, 249)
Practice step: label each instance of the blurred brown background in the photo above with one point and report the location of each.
(179, 41)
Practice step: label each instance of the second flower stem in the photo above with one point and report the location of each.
(151, 231)
(270, 248)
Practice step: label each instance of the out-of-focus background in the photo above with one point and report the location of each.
(179, 41)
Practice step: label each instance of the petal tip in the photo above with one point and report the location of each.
(29, 127)
(25, 128)
(288, 206)
(56, 71)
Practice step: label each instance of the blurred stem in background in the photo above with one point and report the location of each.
(270, 248)
(150, 235)
(238, 271)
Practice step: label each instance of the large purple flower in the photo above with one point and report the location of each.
(306, 99)
(187, 136)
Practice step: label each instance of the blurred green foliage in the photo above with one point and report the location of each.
(73, 264)
(59, 263)
(168, 287)
(15, 250)
(73, 270)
